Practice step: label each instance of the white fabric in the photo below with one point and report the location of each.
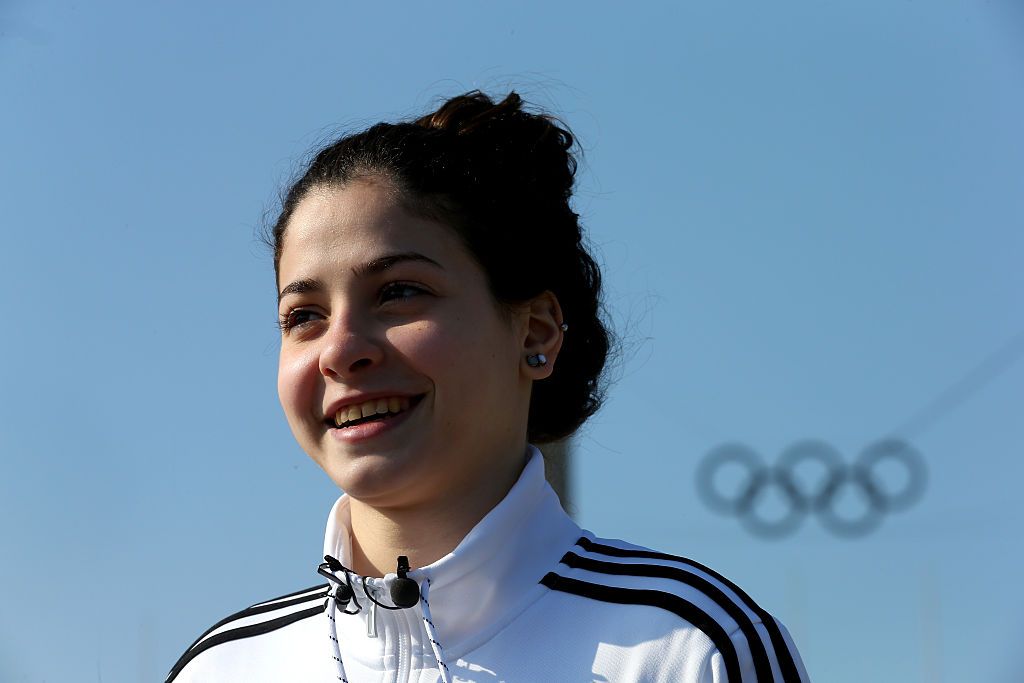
(493, 618)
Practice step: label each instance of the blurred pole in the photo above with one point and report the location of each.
(148, 664)
(931, 627)
(557, 456)
(796, 605)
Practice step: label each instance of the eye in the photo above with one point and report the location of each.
(296, 317)
(399, 291)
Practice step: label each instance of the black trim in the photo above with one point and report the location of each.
(762, 665)
(261, 607)
(318, 587)
(242, 632)
(666, 601)
(787, 665)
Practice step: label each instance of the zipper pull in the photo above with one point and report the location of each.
(371, 620)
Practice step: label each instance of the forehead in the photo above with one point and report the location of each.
(350, 225)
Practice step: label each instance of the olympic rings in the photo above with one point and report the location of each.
(802, 491)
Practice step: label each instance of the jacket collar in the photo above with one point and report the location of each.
(489, 577)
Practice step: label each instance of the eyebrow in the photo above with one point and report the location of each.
(384, 262)
(300, 287)
(377, 265)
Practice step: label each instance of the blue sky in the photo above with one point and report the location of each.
(810, 218)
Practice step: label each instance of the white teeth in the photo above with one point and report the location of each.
(379, 406)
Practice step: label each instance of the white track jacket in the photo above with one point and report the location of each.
(526, 597)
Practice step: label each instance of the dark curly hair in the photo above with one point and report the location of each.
(502, 178)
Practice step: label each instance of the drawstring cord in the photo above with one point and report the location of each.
(432, 633)
(333, 634)
(344, 594)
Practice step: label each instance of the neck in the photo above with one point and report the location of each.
(428, 531)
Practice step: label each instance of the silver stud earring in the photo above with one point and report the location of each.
(564, 327)
(535, 360)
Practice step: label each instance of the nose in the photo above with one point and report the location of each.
(348, 349)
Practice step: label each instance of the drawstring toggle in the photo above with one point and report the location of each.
(404, 591)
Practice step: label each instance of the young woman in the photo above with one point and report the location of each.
(439, 313)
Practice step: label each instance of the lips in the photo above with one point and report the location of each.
(371, 410)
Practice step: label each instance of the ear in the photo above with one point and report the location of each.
(543, 335)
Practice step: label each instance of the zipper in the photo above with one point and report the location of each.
(404, 627)
(398, 630)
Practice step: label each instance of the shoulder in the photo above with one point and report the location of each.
(684, 598)
(248, 630)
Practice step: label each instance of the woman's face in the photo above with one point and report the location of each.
(398, 374)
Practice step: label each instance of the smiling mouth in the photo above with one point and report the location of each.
(376, 410)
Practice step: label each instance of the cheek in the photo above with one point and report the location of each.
(458, 357)
(426, 348)
(297, 385)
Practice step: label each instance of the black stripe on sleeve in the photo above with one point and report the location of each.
(242, 632)
(790, 674)
(318, 588)
(762, 665)
(665, 601)
(261, 607)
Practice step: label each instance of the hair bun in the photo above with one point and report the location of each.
(469, 112)
(503, 146)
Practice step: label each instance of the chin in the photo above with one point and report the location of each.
(377, 479)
